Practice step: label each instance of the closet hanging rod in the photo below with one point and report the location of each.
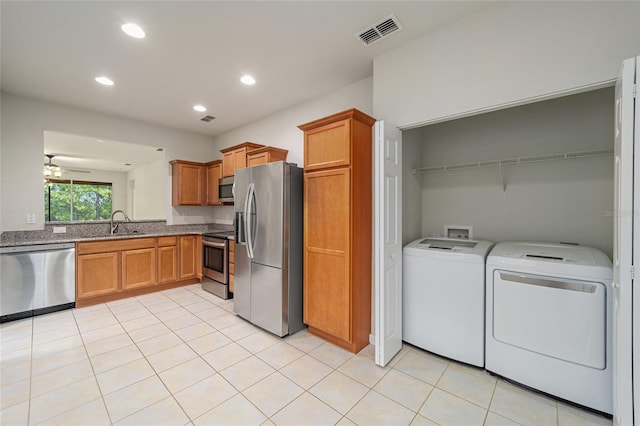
(514, 161)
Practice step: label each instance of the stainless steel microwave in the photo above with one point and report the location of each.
(225, 189)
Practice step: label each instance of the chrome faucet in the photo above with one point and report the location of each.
(115, 228)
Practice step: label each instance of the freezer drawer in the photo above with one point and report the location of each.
(556, 317)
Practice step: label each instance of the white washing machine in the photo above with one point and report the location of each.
(443, 297)
(549, 320)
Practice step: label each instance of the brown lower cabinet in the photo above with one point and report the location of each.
(167, 259)
(188, 250)
(114, 269)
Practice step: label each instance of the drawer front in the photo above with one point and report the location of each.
(114, 245)
(167, 241)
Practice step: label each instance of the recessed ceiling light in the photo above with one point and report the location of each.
(133, 30)
(104, 80)
(248, 80)
(199, 108)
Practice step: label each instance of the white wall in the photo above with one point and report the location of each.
(21, 154)
(411, 186)
(146, 197)
(553, 201)
(281, 129)
(509, 54)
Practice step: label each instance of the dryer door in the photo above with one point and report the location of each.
(555, 317)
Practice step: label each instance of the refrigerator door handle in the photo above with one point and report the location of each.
(240, 228)
(248, 221)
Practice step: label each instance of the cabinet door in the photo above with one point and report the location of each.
(187, 252)
(167, 264)
(256, 159)
(327, 292)
(239, 158)
(97, 274)
(139, 268)
(328, 146)
(214, 174)
(188, 184)
(228, 164)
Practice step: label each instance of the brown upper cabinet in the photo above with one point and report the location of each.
(188, 183)
(213, 171)
(337, 221)
(268, 154)
(195, 184)
(235, 157)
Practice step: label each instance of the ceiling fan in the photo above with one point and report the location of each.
(50, 169)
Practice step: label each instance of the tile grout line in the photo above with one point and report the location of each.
(95, 377)
(157, 374)
(179, 300)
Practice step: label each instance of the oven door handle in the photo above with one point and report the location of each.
(210, 244)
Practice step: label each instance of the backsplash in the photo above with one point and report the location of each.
(92, 229)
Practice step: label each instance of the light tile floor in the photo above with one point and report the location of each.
(181, 357)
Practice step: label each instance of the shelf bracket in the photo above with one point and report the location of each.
(503, 181)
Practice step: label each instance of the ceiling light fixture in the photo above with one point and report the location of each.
(51, 169)
(133, 30)
(104, 80)
(248, 80)
(199, 108)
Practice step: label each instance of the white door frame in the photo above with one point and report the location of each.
(624, 374)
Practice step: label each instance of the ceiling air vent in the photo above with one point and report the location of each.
(207, 118)
(379, 30)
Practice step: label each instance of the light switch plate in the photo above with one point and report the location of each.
(31, 218)
(59, 229)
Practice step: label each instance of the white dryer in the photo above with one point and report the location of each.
(549, 320)
(443, 297)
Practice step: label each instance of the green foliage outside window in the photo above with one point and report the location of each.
(76, 201)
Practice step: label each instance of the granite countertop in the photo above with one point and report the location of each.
(65, 239)
(52, 238)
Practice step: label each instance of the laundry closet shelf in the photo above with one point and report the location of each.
(515, 161)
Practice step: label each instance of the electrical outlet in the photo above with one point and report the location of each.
(59, 229)
(31, 218)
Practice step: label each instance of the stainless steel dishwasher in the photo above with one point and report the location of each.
(36, 279)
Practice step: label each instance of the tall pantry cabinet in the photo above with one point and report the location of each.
(338, 227)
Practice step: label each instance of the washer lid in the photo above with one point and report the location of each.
(448, 244)
(473, 251)
(551, 257)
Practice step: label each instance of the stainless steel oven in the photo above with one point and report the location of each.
(215, 264)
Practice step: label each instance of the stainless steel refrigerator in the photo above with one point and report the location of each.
(268, 246)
